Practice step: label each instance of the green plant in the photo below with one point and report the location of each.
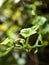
(8, 44)
(39, 25)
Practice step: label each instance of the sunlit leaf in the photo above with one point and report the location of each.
(28, 31)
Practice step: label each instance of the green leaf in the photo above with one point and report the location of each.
(39, 20)
(45, 30)
(5, 42)
(28, 31)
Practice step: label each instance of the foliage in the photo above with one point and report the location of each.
(19, 20)
(29, 31)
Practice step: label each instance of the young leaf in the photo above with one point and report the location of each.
(28, 31)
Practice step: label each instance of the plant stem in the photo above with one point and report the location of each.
(27, 41)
